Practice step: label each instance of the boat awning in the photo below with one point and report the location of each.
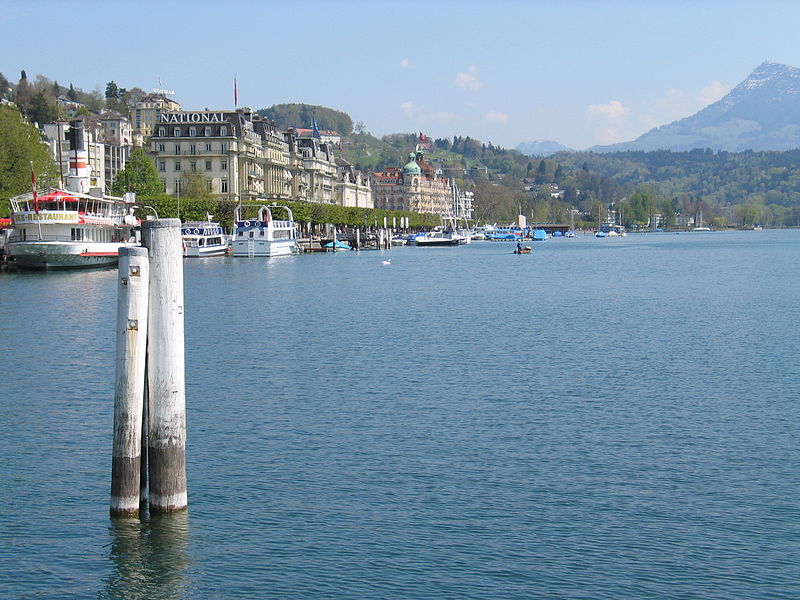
(58, 196)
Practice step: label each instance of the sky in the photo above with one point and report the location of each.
(578, 72)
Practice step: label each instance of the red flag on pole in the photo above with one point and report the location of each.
(235, 93)
(33, 187)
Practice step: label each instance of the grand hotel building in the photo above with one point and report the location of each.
(243, 157)
(416, 187)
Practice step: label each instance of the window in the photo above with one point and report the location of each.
(223, 130)
(76, 234)
(192, 131)
(223, 186)
(162, 165)
(208, 147)
(162, 132)
(223, 165)
(162, 147)
(177, 148)
(193, 166)
(176, 132)
(208, 184)
(208, 165)
(207, 131)
(192, 149)
(177, 165)
(223, 148)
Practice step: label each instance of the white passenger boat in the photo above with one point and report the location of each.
(261, 234)
(203, 238)
(76, 227)
(62, 229)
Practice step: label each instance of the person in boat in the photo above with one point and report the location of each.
(519, 247)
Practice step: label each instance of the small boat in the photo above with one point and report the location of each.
(539, 235)
(570, 234)
(480, 232)
(261, 234)
(338, 245)
(523, 250)
(436, 238)
(503, 234)
(203, 238)
(399, 240)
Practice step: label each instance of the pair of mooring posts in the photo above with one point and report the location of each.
(149, 451)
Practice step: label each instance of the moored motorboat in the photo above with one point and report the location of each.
(261, 234)
(203, 238)
(436, 238)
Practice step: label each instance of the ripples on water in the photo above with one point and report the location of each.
(600, 419)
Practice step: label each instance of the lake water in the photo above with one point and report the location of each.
(604, 418)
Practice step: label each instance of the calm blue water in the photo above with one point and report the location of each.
(601, 419)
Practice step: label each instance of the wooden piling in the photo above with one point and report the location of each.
(166, 445)
(132, 298)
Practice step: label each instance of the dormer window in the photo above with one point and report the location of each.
(192, 131)
(176, 132)
(208, 132)
(223, 130)
(162, 131)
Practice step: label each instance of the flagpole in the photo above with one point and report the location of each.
(35, 201)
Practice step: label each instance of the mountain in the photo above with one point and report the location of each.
(761, 113)
(541, 148)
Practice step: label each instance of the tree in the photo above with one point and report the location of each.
(140, 176)
(5, 87)
(21, 144)
(639, 209)
(72, 94)
(42, 109)
(22, 97)
(667, 213)
(541, 172)
(112, 91)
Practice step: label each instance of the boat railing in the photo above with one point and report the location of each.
(35, 237)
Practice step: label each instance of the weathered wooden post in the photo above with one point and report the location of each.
(166, 446)
(129, 388)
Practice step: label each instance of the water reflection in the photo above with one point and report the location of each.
(150, 558)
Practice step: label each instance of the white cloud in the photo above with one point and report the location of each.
(410, 109)
(441, 116)
(712, 92)
(495, 117)
(405, 64)
(469, 80)
(420, 114)
(610, 120)
(612, 111)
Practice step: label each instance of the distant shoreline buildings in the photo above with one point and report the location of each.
(242, 157)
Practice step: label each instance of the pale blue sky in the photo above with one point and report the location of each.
(579, 72)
